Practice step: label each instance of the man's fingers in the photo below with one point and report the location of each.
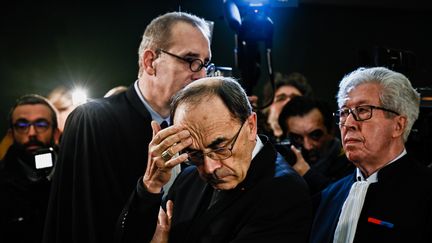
(163, 218)
(297, 152)
(170, 208)
(155, 127)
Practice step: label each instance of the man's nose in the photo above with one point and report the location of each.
(350, 121)
(307, 143)
(31, 131)
(211, 165)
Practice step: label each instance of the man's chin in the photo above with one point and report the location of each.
(224, 185)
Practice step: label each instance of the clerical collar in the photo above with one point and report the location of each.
(258, 146)
(155, 116)
(374, 177)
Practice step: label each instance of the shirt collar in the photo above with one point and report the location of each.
(258, 146)
(155, 116)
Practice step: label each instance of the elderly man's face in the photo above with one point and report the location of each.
(370, 140)
(213, 129)
(173, 73)
(39, 134)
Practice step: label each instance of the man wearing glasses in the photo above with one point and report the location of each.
(389, 196)
(25, 179)
(104, 146)
(238, 188)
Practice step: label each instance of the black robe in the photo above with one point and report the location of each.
(103, 153)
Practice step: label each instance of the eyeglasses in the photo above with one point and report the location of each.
(360, 113)
(195, 64)
(197, 157)
(23, 126)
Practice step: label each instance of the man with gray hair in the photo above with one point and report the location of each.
(104, 146)
(237, 189)
(389, 196)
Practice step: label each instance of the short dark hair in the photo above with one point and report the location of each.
(34, 99)
(228, 89)
(158, 34)
(295, 79)
(302, 105)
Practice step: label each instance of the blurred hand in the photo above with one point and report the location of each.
(301, 166)
(170, 140)
(163, 227)
(273, 121)
(253, 99)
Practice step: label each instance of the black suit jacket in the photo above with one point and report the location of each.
(272, 204)
(402, 196)
(103, 153)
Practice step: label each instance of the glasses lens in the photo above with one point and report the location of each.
(41, 126)
(341, 115)
(196, 65)
(21, 126)
(363, 112)
(220, 154)
(195, 158)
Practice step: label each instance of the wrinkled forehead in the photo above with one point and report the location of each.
(205, 121)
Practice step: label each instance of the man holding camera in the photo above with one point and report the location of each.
(308, 124)
(26, 169)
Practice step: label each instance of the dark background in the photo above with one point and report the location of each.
(94, 44)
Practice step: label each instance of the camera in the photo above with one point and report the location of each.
(284, 148)
(44, 158)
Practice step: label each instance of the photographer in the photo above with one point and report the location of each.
(308, 125)
(26, 169)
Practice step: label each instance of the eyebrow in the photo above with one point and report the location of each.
(196, 55)
(214, 144)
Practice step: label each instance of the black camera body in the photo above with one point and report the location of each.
(284, 148)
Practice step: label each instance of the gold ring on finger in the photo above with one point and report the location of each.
(166, 155)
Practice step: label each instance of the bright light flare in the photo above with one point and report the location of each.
(79, 96)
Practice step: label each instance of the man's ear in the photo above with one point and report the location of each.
(149, 57)
(252, 125)
(400, 125)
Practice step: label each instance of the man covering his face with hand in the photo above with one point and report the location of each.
(238, 187)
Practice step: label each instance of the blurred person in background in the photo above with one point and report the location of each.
(286, 87)
(61, 98)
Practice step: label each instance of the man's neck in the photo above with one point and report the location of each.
(157, 103)
(369, 168)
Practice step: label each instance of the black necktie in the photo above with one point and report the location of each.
(164, 124)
